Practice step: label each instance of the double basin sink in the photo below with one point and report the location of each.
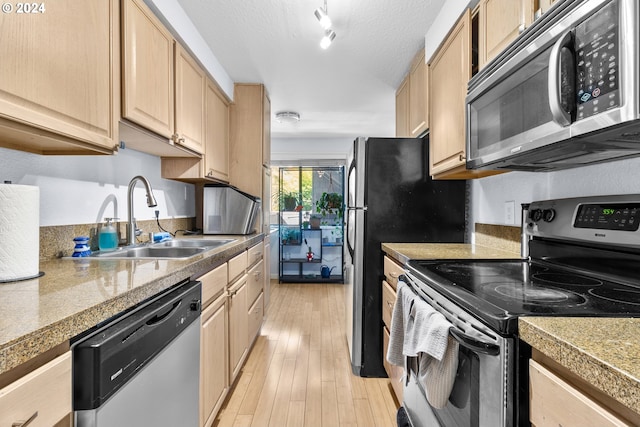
(172, 249)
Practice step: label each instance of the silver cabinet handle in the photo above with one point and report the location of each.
(27, 422)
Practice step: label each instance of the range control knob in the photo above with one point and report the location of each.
(536, 215)
(548, 215)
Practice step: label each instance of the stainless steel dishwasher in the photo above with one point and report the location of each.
(142, 367)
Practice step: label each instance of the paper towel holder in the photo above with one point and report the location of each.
(22, 279)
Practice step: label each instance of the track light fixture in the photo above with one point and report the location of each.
(322, 15)
(329, 35)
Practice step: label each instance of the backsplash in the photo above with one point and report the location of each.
(503, 237)
(57, 241)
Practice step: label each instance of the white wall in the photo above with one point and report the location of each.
(488, 195)
(85, 189)
(283, 149)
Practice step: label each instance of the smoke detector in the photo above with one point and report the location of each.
(287, 117)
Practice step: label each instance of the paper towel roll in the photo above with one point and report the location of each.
(19, 232)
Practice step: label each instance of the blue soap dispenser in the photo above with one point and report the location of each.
(108, 236)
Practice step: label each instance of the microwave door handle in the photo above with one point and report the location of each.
(473, 344)
(561, 79)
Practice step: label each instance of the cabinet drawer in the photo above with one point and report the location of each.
(45, 391)
(395, 373)
(385, 346)
(255, 282)
(388, 300)
(554, 402)
(237, 266)
(256, 313)
(213, 283)
(255, 253)
(392, 270)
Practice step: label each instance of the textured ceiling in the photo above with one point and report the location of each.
(345, 91)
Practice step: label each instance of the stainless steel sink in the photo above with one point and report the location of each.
(195, 243)
(173, 249)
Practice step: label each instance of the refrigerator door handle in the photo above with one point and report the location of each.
(348, 240)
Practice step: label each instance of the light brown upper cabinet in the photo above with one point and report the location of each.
(249, 137)
(190, 102)
(214, 165)
(163, 86)
(412, 100)
(216, 134)
(60, 78)
(418, 96)
(449, 73)
(147, 61)
(500, 23)
(402, 109)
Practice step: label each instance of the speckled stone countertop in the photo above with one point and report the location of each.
(76, 294)
(403, 252)
(605, 352)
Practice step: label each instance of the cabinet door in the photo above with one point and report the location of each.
(214, 353)
(247, 131)
(59, 73)
(216, 134)
(500, 23)
(266, 131)
(450, 70)
(402, 109)
(418, 96)
(238, 327)
(45, 392)
(190, 89)
(267, 272)
(148, 97)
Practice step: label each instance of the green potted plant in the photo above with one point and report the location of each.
(314, 220)
(289, 201)
(330, 204)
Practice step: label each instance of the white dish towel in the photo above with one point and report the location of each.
(417, 330)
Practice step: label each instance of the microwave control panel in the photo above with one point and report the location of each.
(597, 62)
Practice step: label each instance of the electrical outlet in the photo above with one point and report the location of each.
(509, 212)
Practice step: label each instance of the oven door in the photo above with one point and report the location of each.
(483, 394)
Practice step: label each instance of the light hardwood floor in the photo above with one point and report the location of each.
(298, 372)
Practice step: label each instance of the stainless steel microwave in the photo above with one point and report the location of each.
(564, 94)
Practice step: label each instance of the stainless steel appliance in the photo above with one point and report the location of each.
(391, 198)
(142, 368)
(227, 210)
(583, 258)
(564, 94)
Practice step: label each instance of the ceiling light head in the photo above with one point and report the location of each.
(287, 117)
(324, 19)
(329, 35)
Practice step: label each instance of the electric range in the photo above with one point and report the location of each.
(580, 257)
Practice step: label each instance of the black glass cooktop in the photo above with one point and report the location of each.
(498, 291)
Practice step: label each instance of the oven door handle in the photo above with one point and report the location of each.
(474, 344)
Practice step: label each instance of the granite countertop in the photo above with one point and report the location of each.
(404, 252)
(605, 352)
(76, 294)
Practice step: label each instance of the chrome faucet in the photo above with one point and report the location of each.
(132, 231)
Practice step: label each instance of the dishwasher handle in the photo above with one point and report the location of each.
(159, 318)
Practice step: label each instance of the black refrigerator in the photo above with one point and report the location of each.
(390, 198)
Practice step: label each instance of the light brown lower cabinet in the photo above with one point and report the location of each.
(43, 395)
(214, 378)
(238, 326)
(554, 402)
(214, 348)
